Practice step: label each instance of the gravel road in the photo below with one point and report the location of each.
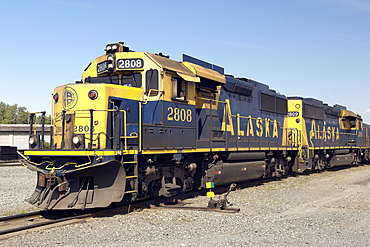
(331, 208)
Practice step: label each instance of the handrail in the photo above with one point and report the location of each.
(33, 126)
(120, 126)
(147, 97)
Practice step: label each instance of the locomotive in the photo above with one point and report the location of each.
(140, 125)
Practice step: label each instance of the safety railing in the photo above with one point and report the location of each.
(36, 140)
(68, 136)
(152, 93)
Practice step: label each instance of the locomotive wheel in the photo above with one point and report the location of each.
(281, 170)
(320, 165)
(154, 188)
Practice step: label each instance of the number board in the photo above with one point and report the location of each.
(132, 63)
(101, 67)
(293, 114)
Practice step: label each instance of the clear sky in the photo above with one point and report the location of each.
(308, 48)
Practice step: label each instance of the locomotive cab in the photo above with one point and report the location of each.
(350, 120)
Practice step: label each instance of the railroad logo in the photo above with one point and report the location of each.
(69, 98)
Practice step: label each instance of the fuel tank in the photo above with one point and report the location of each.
(228, 172)
(341, 160)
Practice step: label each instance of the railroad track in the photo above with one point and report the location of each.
(16, 224)
(5, 163)
(183, 207)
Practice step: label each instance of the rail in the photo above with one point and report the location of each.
(16, 224)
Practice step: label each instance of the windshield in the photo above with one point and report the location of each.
(103, 79)
(130, 79)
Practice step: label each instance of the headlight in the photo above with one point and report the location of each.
(32, 140)
(79, 141)
(108, 48)
(76, 140)
(110, 62)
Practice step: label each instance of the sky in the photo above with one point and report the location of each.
(309, 48)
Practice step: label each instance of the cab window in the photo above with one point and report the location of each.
(151, 80)
(179, 88)
(132, 79)
(351, 123)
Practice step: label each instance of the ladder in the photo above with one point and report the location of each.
(132, 176)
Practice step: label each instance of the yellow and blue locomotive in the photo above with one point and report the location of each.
(141, 125)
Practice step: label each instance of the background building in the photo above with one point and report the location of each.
(17, 135)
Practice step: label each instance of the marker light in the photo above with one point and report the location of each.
(56, 97)
(297, 120)
(93, 94)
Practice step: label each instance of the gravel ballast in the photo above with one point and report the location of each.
(17, 183)
(331, 208)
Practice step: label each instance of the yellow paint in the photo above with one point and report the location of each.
(240, 132)
(267, 130)
(210, 185)
(295, 133)
(227, 114)
(205, 72)
(79, 106)
(250, 130)
(210, 194)
(46, 152)
(322, 132)
(259, 127)
(254, 126)
(275, 133)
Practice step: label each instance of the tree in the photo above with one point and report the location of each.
(47, 119)
(14, 114)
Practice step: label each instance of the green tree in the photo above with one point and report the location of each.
(47, 119)
(14, 114)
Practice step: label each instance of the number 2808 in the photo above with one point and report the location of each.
(177, 114)
(83, 128)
